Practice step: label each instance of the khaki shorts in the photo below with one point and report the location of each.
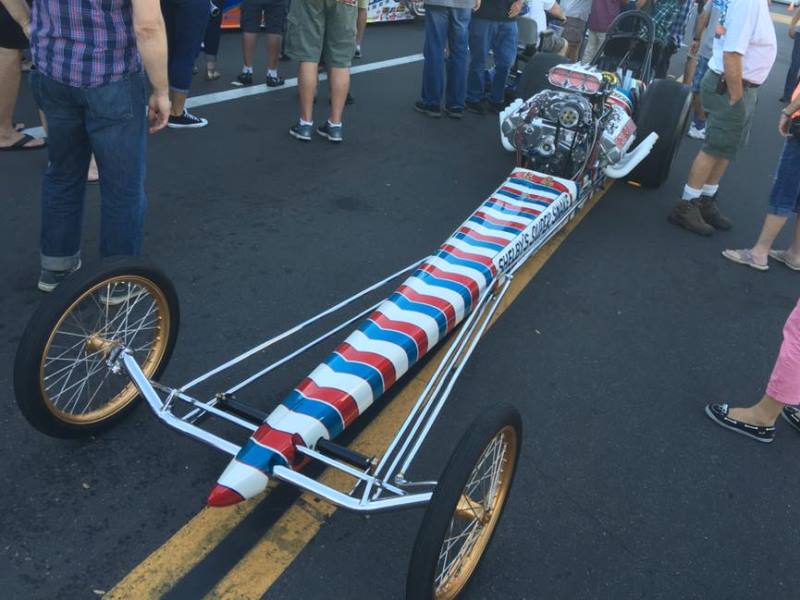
(573, 31)
(322, 29)
(550, 41)
(727, 127)
(363, 4)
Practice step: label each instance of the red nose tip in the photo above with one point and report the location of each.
(223, 496)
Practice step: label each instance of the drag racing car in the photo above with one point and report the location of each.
(579, 121)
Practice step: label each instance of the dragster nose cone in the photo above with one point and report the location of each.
(223, 496)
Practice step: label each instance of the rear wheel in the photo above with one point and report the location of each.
(534, 77)
(63, 382)
(665, 110)
(466, 506)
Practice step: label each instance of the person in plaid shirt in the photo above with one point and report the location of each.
(90, 85)
(670, 18)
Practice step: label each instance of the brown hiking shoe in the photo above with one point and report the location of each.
(711, 215)
(687, 215)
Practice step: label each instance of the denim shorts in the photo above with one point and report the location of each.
(699, 71)
(784, 199)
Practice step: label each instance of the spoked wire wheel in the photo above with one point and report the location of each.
(466, 506)
(63, 377)
(415, 7)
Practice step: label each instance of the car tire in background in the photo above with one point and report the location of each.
(534, 77)
(664, 109)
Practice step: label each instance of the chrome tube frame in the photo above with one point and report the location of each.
(383, 486)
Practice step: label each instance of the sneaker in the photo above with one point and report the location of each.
(332, 132)
(301, 132)
(792, 416)
(275, 81)
(687, 215)
(357, 53)
(455, 112)
(244, 79)
(431, 111)
(719, 414)
(49, 280)
(479, 108)
(711, 215)
(186, 121)
(697, 133)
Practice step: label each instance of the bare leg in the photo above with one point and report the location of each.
(178, 103)
(273, 51)
(794, 249)
(697, 108)
(706, 169)
(764, 413)
(572, 51)
(307, 88)
(361, 25)
(688, 70)
(10, 74)
(340, 84)
(772, 227)
(248, 48)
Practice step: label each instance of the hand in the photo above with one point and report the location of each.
(733, 100)
(515, 9)
(158, 111)
(783, 124)
(477, 5)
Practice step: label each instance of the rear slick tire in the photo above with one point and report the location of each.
(440, 568)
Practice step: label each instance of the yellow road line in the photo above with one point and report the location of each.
(277, 549)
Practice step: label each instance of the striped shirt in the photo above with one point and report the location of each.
(84, 43)
(678, 27)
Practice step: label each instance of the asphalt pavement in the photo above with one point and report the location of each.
(625, 489)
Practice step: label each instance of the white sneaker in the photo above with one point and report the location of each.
(697, 133)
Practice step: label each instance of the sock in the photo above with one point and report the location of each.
(710, 190)
(246, 69)
(358, 47)
(302, 122)
(272, 73)
(334, 124)
(690, 193)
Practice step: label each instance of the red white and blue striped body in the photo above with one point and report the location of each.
(437, 296)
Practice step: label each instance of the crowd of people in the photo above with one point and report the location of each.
(106, 74)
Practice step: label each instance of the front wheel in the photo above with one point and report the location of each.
(466, 506)
(63, 381)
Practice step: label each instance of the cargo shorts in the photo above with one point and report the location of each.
(322, 29)
(727, 127)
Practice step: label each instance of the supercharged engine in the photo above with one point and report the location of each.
(554, 130)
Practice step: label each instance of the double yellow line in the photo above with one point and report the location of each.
(276, 550)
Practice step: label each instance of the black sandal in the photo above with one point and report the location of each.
(719, 414)
(792, 416)
(20, 144)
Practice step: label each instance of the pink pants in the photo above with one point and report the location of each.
(784, 384)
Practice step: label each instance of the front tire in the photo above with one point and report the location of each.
(665, 110)
(466, 506)
(63, 383)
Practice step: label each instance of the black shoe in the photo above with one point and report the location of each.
(479, 108)
(431, 111)
(274, 81)
(244, 79)
(709, 210)
(49, 280)
(687, 215)
(454, 112)
(783, 99)
(792, 416)
(496, 107)
(719, 414)
(301, 132)
(186, 121)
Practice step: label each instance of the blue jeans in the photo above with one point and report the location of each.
(450, 27)
(186, 22)
(501, 37)
(109, 121)
(784, 199)
(794, 67)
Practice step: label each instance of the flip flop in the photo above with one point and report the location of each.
(744, 257)
(783, 256)
(19, 127)
(20, 145)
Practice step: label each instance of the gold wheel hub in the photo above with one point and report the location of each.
(95, 343)
(468, 510)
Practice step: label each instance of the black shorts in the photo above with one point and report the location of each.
(11, 34)
(273, 12)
